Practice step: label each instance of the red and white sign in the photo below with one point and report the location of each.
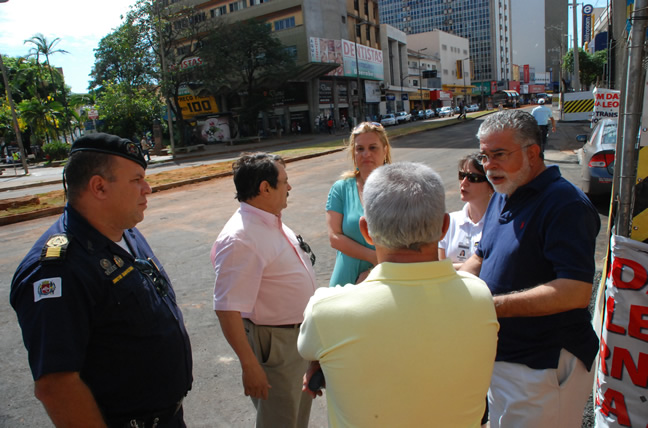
(93, 114)
(606, 104)
(621, 384)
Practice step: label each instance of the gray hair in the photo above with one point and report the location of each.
(404, 205)
(523, 124)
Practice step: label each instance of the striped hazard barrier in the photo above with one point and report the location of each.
(577, 105)
(639, 231)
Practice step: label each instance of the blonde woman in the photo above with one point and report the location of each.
(369, 148)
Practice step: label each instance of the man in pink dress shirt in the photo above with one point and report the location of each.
(264, 279)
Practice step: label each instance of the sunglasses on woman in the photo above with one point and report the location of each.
(472, 177)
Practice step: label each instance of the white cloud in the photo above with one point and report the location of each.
(80, 24)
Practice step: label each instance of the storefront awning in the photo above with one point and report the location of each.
(313, 70)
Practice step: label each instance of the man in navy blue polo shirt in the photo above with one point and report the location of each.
(537, 257)
(106, 340)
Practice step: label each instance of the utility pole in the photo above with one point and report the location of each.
(630, 120)
(420, 76)
(360, 93)
(164, 69)
(576, 80)
(23, 156)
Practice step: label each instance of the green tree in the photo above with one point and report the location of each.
(128, 110)
(44, 47)
(591, 67)
(124, 56)
(133, 53)
(43, 117)
(245, 59)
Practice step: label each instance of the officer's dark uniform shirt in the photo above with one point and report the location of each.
(84, 306)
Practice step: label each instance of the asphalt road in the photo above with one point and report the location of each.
(181, 226)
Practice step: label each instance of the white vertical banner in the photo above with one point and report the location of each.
(621, 388)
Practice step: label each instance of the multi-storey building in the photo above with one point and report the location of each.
(337, 49)
(540, 40)
(485, 23)
(454, 61)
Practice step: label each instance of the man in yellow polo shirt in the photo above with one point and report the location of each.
(414, 344)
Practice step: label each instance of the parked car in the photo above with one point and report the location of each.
(429, 113)
(596, 158)
(388, 120)
(472, 107)
(418, 115)
(403, 116)
(446, 111)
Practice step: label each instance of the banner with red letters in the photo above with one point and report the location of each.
(621, 388)
(606, 104)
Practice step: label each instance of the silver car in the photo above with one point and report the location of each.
(388, 119)
(596, 158)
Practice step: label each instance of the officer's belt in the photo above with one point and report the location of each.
(152, 420)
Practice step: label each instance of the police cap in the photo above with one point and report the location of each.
(109, 144)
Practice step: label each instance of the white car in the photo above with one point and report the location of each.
(473, 107)
(403, 116)
(446, 111)
(388, 119)
(429, 113)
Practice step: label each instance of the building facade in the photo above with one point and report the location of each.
(485, 23)
(540, 40)
(337, 49)
(454, 59)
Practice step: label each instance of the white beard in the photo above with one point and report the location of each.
(512, 180)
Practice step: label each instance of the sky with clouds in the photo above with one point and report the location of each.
(80, 24)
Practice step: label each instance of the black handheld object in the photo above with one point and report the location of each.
(316, 382)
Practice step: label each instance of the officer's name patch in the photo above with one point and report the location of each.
(47, 288)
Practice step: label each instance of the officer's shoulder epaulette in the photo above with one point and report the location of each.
(55, 248)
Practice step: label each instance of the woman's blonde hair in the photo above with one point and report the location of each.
(363, 128)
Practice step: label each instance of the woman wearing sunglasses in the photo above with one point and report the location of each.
(466, 225)
(369, 148)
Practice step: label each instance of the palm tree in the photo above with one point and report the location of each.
(42, 117)
(44, 47)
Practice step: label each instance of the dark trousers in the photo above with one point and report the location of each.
(544, 131)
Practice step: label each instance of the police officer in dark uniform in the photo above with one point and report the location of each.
(106, 340)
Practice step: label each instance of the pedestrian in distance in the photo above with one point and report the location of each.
(106, 339)
(536, 254)
(145, 147)
(330, 125)
(413, 345)
(543, 115)
(264, 278)
(369, 148)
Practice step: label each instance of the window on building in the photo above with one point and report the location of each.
(257, 2)
(366, 7)
(238, 5)
(356, 6)
(368, 32)
(444, 47)
(415, 82)
(283, 24)
(219, 11)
